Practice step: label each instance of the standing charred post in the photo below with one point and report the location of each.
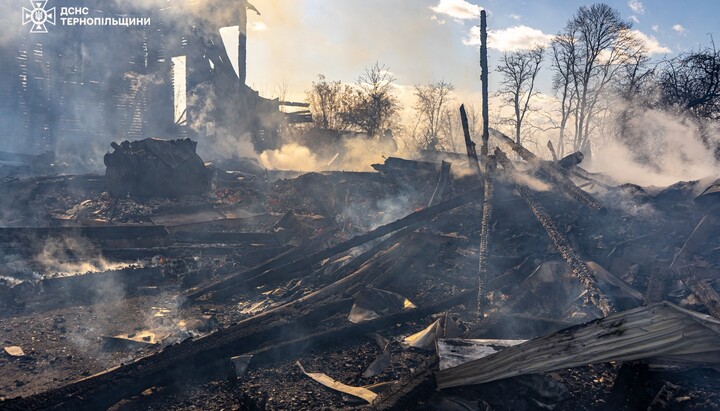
(469, 144)
(485, 235)
(242, 44)
(569, 254)
(552, 151)
(490, 165)
(242, 40)
(484, 79)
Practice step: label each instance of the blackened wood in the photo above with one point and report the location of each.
(552, 151)
(628, 389)
(473, 162)
(277, 261)
(273, 272)
(656, 285)
(704, 291)
(487, 212)
(191, 356)
(99, 233)
(223, 237)
(441, 184)
(484, 79)
(557, 177)
(566, 250)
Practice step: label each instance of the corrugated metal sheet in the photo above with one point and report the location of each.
(660, 330)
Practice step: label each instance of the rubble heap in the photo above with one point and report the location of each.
(522, 285)
(155, 168)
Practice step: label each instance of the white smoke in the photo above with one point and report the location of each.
(673, 145)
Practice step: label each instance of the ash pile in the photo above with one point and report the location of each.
(155, 168)
(508, 283)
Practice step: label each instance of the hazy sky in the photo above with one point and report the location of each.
(427, 40)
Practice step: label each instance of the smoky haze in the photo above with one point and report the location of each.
(91, 94)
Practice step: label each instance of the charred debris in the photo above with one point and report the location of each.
(497, 281)
(512, 288)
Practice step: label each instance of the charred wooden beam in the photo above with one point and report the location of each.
(571, 161)
(631, 379)
(473, 162)
(704, 291)
(299, 117)
(368, 255)
(93, 282)
(578, 266)
(408, 391)
(441, 184)
(589, 179)
(397, 246)
(421, 383)
(656, 285)
(222, 224)
(523, 152)
(484, 80)
(393, 164)
(686, 272)
(102, 390)
(278, 261)
(29, 159)
(552, 151)
(91, 288)
(697, 238)
(268, 239)
(367, 273)
(273, 272)
(293, 104)
(331, 337)
(487, 211)
(268, 328)
(251, 254)
(117, 232)
(554, 175)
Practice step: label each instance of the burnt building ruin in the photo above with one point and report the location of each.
(170, 79)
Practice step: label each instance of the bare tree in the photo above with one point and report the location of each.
(602, 45)
(451, 130)
(369, 106)
(374, 103)
(519, 71)
(563, 53)
(690, 83)
(431, 106)
(329, 103)
(635, 90)
(474, 122)
(280, 91)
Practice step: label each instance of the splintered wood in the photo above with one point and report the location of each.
(485, 236)
(595, 295)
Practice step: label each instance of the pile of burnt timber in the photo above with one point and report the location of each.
(506, 289)
(155, 168)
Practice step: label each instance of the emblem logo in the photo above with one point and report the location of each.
(38, 16)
